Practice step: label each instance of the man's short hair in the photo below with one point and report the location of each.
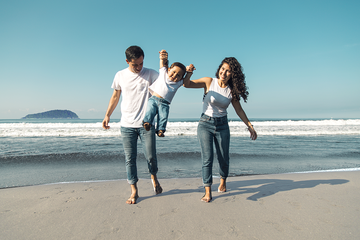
(134, 52)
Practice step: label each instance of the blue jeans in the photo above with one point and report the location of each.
(129, 138)
(214, 130)
(160, 107)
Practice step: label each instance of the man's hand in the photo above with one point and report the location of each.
(163, 55)
(105, 123)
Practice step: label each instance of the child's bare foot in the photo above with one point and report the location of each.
(147, 126)
(160, 133)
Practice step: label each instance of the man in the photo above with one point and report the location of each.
(133, 83)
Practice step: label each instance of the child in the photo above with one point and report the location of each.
(163, 91)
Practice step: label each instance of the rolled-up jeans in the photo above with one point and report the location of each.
(214, 131)
(129, 138)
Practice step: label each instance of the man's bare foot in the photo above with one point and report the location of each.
(207, 197)
(222, 186)
(147, 126)
(160, 133)
(134, 195)
(156, 185)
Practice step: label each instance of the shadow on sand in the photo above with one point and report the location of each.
(267, 187)
(260, 187)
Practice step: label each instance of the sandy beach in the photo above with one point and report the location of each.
(321, 205)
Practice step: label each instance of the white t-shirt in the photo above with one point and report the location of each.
(164, 87)
(217, 100)
(135, 94)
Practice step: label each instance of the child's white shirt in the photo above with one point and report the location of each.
(164, 87)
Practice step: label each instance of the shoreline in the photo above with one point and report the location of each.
(214, 177)
(321, 205)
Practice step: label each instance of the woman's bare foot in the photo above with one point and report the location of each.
(222, 186)
(207, 197)
(147, 126)
(156, 185)
(134, 195)
(132, 199)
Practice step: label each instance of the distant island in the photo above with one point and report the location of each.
(53, 114)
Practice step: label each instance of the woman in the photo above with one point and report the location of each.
(228, 86)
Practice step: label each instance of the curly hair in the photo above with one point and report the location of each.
(237, 82)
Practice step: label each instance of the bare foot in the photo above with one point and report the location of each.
(134, 195)
(160, 133)
(222, 186)
(147, 126)
(207, 197)
(156, 185)
(132, 199)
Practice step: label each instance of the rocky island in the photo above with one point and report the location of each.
(53, 114)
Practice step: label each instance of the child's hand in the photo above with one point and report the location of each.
(163, 55)
(190, 68)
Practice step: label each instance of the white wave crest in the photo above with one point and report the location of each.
(290, 127)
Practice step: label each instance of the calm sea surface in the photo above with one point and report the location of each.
(49, 151)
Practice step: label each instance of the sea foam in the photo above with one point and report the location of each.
(237, 128)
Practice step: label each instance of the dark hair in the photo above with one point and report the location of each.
(237, 81)
(134, 52)
(180, 65)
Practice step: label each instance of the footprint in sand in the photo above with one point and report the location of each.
(72, 199)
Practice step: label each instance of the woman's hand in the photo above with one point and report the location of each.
(253, 134)
(190, 68)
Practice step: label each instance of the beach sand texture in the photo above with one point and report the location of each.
(282, 206)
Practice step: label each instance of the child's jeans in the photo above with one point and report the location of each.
(160, 107)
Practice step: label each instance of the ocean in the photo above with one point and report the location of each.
(34, 151)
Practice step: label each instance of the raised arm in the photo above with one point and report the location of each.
(163, 55)
(114, 100)
(198, 83)
(189, 71)
(242, 115)
(204, 83)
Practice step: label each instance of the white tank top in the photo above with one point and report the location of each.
(217, 100)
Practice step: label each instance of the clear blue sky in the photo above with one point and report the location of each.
(301, 58)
